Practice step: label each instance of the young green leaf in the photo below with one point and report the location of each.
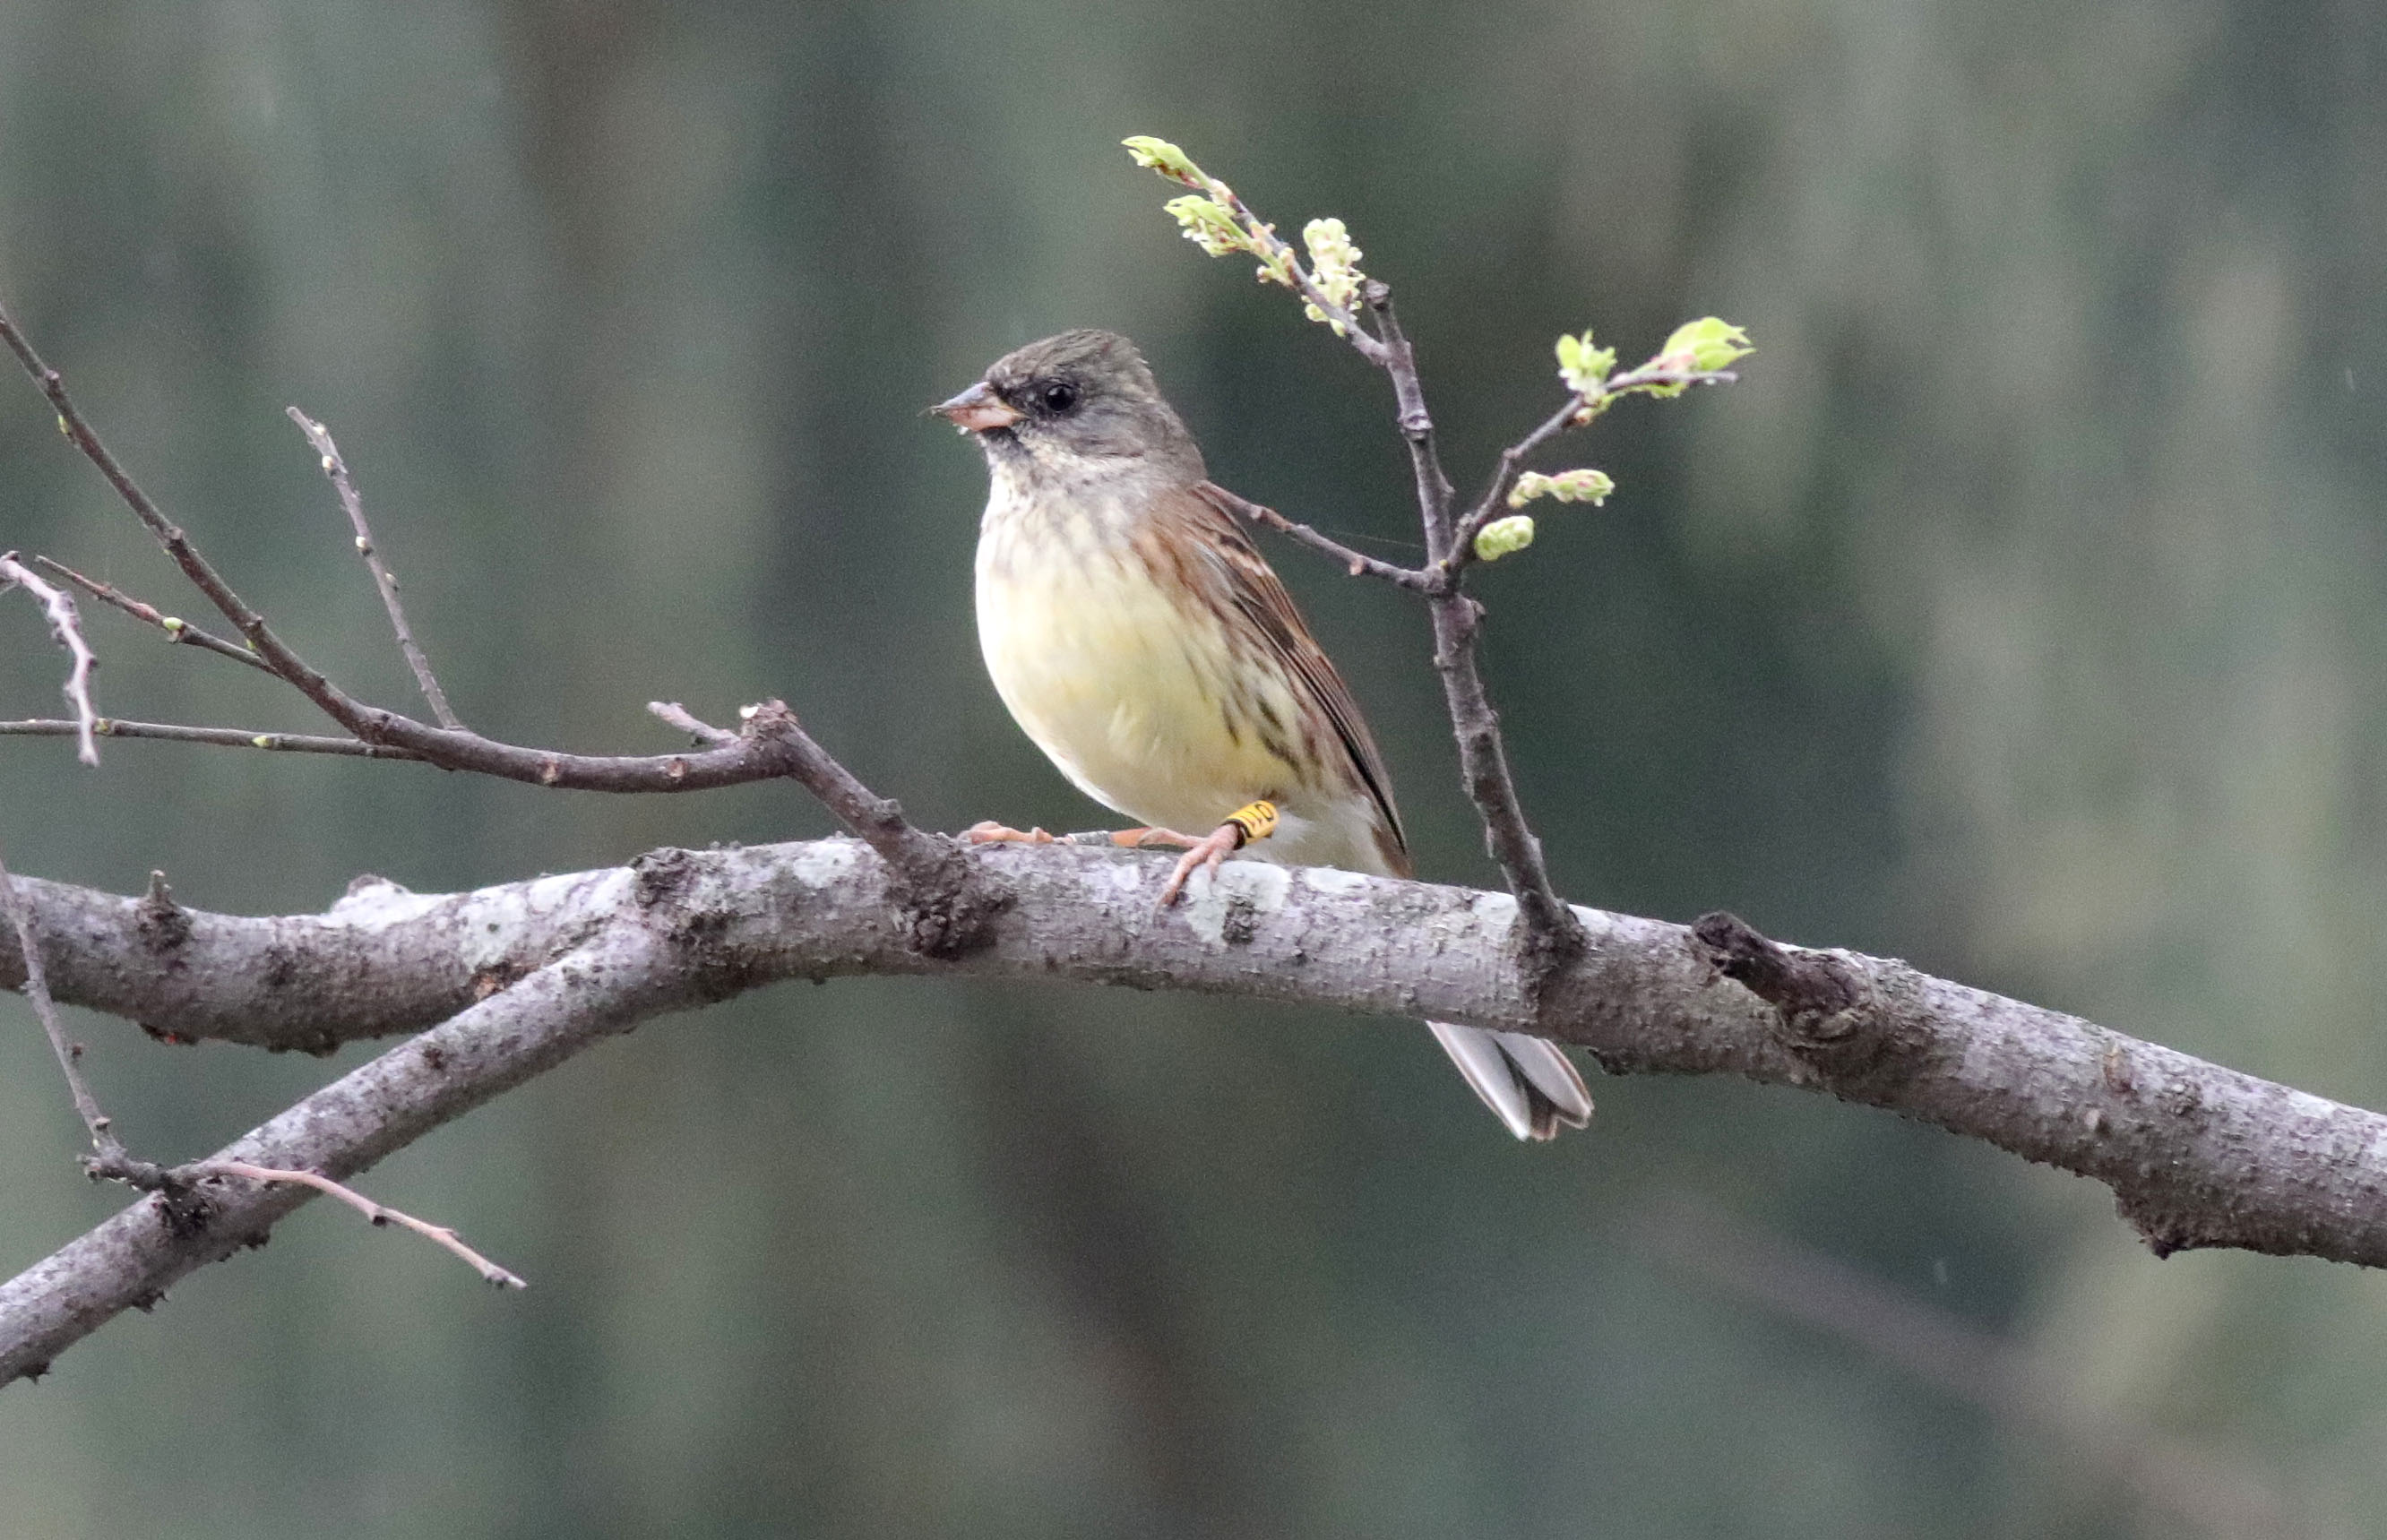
(1583, 369)
(1504, 536)
(1576, 486)
(1702, 347)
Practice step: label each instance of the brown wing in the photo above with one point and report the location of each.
(1259, 595)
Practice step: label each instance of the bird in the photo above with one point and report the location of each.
(1138, 637)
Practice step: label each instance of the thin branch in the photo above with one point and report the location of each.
(383, 1105)
(276, 654)
(1578, 411)
(176, 628)
(1551, 933)
(224, 738)
(337, 469)
(1357, 564)
(374, 1213)
(1460, 553)
(771, 745)
(1344, 323)
(1410, 416)
(37, 989)
(65, 626)
(679, 716)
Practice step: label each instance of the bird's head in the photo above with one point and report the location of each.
(1082, 400)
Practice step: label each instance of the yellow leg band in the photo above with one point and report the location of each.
(1256, 821)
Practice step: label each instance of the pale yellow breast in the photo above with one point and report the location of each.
(1123, 685)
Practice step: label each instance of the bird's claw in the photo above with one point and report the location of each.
(1206, 854)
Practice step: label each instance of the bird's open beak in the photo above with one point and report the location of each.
(976, 409)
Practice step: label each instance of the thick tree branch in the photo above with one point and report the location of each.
(524, 974)
(610, 984)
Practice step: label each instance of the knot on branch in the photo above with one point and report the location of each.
(948, 901)
(162, 923)
(1548, 938)
(182, 1207)
(953, 911)
(1825, 1006)
(2165, 1230)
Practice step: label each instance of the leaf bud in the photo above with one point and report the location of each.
(1504, 536)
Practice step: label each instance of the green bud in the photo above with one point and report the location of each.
(1159, 155)
(1703, 345)
(1583, 369)
(1334, 266)
(1275, 258)
(262, 740)
(1209, 225)
(174, 624)
(1504, 536)
(1577, 485)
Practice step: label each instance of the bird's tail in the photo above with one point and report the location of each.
(1526, 1082)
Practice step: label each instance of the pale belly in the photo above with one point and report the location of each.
(1124, 691)
(1140, 700)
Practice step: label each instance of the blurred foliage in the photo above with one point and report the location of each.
(2017, 614)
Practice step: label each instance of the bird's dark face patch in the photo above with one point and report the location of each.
(1088, 396)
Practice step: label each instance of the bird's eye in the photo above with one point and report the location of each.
(1058, 397)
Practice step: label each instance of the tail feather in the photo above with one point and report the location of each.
(1527, 1081)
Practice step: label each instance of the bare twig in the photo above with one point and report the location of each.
(337, 469)
(278, 656)
(222, 738)
(1410, 416)
(1551, 931)
(58, 607)
(37, 989)
(771, 746)
(1357, 564)
(679, 716)
(379, 1214)
(176, 628)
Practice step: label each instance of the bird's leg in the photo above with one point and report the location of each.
(1255, 821)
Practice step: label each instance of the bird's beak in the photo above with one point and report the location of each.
(976, 409)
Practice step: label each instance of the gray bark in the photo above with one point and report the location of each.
(506, 982)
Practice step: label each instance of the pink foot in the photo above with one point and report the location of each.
(1207, 851)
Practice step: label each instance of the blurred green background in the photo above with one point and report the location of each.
(2019, 613)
